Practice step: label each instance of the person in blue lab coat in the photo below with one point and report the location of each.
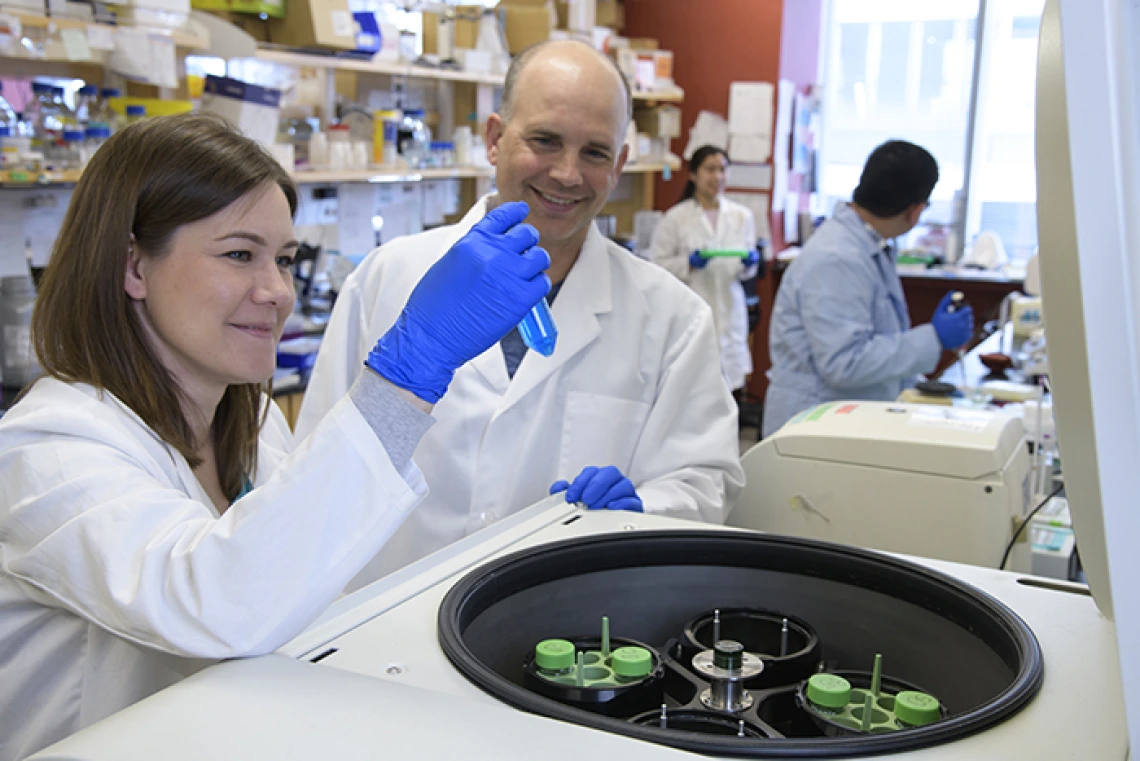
(840, 327)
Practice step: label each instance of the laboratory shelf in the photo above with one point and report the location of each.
(317, 61)
(327, 177)
(388, 175)
(183, 38)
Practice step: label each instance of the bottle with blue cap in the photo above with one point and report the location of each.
(103, 111)
(86, 104)
(135, 114)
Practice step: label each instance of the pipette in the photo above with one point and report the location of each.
(957, 302)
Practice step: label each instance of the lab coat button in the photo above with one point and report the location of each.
(487, 517)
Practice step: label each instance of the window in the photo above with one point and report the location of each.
(1002, 196)
(899, 69)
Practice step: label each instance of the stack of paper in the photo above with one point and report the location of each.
(750, 122)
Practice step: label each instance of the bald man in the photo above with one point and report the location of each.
(629, 413)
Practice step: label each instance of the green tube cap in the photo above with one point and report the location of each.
(917, 708)
(554, 654)
(632, 662)
(829, 691)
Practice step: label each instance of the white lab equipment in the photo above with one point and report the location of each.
(940, 482)
(372, 677)
(382, 684)
(987, 253)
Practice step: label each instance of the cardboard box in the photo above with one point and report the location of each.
(662, 121)
(526, 22)
(271, 8)
(642, 43)
(607, 13)
(315, 23)
(663, 66)
(463, 28)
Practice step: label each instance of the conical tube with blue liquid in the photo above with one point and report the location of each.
(538, 330)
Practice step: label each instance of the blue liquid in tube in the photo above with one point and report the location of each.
(538, 330)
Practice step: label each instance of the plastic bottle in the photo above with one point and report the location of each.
(86, 105)
(18, 365)
(319, 150)
(70, 152)
(340, 148)
(414, 139)
(66, 115)
(104, 112)
(7, 115)
(43, 117)
(135, 114)
(442, 154)
(96, 134)
(9, 134)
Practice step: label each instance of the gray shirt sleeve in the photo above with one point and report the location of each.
(396, 422)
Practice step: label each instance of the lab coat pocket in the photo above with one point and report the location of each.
(599, 430)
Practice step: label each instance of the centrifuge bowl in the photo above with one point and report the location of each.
(957, 642)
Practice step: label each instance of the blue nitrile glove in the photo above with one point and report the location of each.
(697, 262)
(601, 489)
(469, 299)
(954, 329)
(752, 259)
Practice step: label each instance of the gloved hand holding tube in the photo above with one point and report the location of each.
(466, 302)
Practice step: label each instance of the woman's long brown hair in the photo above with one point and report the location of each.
(147, 181)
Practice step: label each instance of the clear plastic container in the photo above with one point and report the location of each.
(443, 154)
(340, 148)
(86, 104)
(18, 365)
(69, 155)
(104, 113)
(66, 115)
(44, 117)
(96, 134)
(414, 139)
(7, 115)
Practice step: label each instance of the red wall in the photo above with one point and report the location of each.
(715, 43)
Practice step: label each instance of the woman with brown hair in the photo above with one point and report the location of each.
(154, 514)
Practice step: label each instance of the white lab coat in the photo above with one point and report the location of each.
(118, 577)
(633, 382)
(685, 229)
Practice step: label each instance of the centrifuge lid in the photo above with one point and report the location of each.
(1061, 294)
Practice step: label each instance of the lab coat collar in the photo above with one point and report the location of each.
(586, 293)
(183, 473)
(712, 230)
(846, 216)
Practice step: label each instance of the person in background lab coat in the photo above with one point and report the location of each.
(705, 220)
(154, 516)
(840, 327)
(629, 412)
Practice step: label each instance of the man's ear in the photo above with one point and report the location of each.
(623, 155)
(914, 213)
(492, 134)
(134, 279)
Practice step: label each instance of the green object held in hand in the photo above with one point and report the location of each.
(724, 253)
